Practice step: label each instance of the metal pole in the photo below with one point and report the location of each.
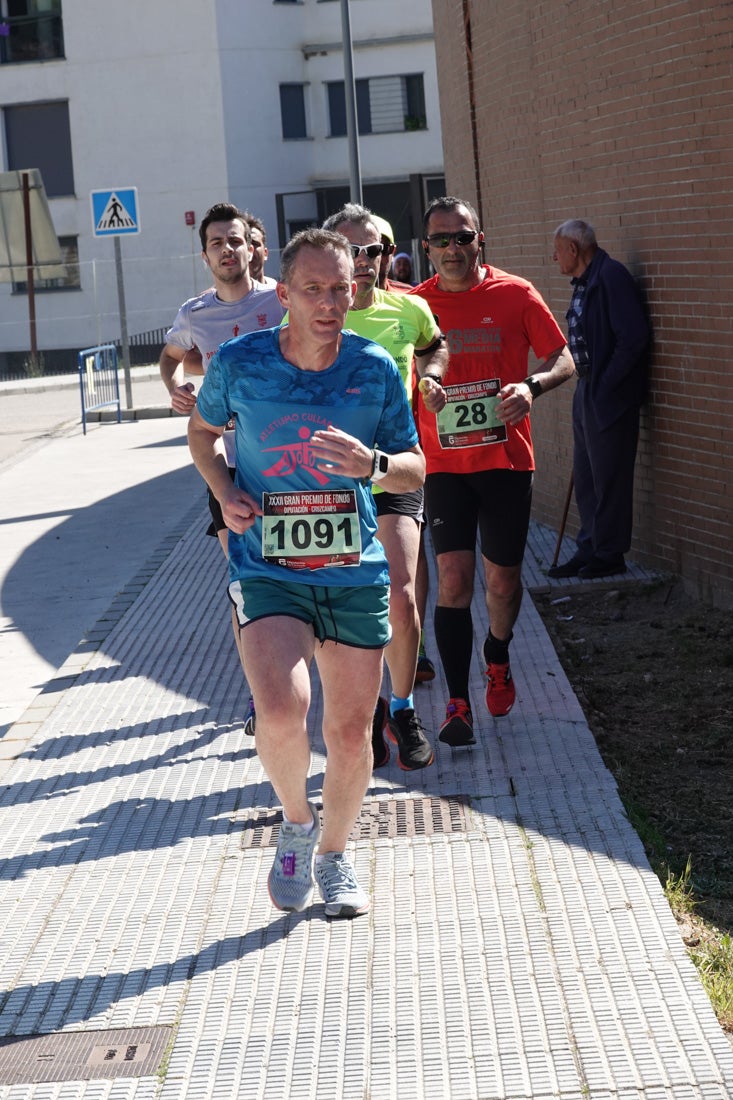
(123, 323)
(352, 130)
(563, 521)
(29, 273)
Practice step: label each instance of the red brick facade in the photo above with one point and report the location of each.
(620, 113)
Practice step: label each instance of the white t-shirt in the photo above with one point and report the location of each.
(206, 322)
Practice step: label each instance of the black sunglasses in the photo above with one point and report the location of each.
(372, 250)
(442, 240)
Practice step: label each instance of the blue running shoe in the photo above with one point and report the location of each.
(339, 888)
(290, 881)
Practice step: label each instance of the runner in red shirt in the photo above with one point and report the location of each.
(478, 450)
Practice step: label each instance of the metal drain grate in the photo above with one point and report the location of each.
(82, 1055)
(380, 818)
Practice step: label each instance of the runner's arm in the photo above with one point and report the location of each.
(516, 397)
(349, 457)
(431, 364)
(238, 508)
(555, 369)
(172, 371)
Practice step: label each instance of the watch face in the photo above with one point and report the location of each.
(383, 464)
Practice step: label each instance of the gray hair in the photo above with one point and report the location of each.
(579, 232)
(313, 237)
(352, 213)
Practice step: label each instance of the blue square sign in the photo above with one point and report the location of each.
(115, 212)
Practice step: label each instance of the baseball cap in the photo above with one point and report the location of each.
(385, 229)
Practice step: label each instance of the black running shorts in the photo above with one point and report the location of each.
(401, 504)
(217, 519)
(497, 503)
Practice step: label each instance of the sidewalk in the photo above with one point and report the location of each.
(518, 947)
(35, 410)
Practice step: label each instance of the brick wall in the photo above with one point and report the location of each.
(620, 113)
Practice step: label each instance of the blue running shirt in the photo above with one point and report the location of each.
(277, 407)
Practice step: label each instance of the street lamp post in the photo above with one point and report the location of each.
(352, 130)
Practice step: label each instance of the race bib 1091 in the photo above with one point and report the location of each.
(310, 530)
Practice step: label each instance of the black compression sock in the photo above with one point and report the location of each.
(454, 638)
(495, 651)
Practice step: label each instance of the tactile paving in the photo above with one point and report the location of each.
(518, 946)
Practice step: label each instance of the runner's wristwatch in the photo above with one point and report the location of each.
(534, 387)
(380, 465)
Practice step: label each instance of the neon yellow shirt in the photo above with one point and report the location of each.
(399, 323)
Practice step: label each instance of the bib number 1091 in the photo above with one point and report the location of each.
(302, 534)
(311, 530)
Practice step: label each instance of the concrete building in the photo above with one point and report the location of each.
(192, 102)
(619, 113)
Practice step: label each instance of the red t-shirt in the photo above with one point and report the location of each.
(489, 331)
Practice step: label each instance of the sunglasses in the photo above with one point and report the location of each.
(372, 250)
(442, 240)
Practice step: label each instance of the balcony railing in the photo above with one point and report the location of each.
(31, 37)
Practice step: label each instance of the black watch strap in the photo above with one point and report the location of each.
(534, 387)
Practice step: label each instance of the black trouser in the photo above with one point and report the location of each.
(603, 473)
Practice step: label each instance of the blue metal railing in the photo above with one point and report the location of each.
(98, 380)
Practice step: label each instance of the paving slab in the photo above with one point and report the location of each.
(80, 515)
(518, 948)
(530, 955)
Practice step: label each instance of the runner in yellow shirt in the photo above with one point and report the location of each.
(405, 327)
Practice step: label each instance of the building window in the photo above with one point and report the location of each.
(384, 104)
(337, 107)
(37, 135)
(292, 111)
(31, 30)
(69, 272)
(415, 119)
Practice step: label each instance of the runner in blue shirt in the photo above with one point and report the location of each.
(319, 413)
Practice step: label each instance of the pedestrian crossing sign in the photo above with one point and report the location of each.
(115, 213)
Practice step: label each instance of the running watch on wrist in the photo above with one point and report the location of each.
(534, 387)
(381, 465)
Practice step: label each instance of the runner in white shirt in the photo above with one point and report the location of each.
(233, 306)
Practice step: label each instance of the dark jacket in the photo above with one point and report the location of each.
(618, 337)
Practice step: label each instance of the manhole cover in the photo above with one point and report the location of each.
(82, 1055)
(380, 818)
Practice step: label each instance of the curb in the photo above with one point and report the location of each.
(49, 382)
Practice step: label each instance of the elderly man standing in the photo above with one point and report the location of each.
(609, 337)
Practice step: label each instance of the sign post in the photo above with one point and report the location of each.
(115, 214)
(34, 252)
(190, 219)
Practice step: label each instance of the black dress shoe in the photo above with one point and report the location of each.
(570, 568)
(602, 567)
